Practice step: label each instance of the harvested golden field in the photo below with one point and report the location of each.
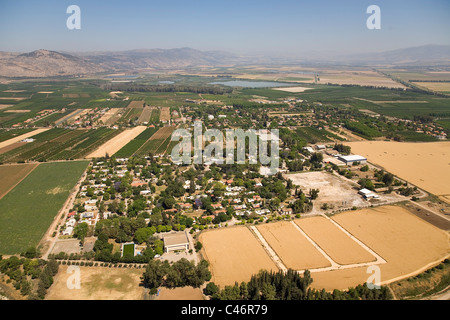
(356, 77)
(340, 247)
(184, 293)
(426, 165)
(234, 254)
(21, 137)
(293, 89)
(117, 142)
(407, 243)
(435, 86)
(292, 247)
(98, 283)
(11, 175)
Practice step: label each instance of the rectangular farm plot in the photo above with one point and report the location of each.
(145, 115)
(339, 246)
(136, 104)
(234, 254)
(408, 243)
(292, 247)
(21, 137)
(157, 141)
(134, 145)
(27, 211)
(11, 175)
(117, 143)
(165, 114)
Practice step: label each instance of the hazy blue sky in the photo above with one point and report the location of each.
(238, 26)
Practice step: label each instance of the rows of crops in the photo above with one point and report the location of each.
(314, 135)
(130, 148)
(9, 134)
(60, 144)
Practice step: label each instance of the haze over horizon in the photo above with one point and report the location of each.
(247, 27)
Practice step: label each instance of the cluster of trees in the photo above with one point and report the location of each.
(302, 203)
(27, 274)
(290, 286)
(178, 274)
(343, 149)
(134, 87)
(103, 252)
(367, 129)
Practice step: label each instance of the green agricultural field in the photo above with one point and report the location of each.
(314, 135)
(130, 148)
(48, 95)
(162, 148)
(128, 249)
(27, 211)
(155, 116)
(60, 144)
(395, 103)
(9, 134)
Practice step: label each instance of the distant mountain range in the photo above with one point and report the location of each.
(45, 63)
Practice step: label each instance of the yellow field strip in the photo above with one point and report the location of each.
(21, 137)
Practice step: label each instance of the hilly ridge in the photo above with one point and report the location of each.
(46, 63)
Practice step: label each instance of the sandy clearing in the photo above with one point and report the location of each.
(21, 137)
(406, 242)
(341, 248)
(45, 92)
(293, 89)
(292, 247)
(17, 111)
(117, 143)
(426, 165)
(98, 283)
(184, 293)
(13, 98)
(335, 191)
(4, 106)
(234, 254)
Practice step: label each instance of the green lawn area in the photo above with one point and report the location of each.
(128, 249)
(27, 211)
